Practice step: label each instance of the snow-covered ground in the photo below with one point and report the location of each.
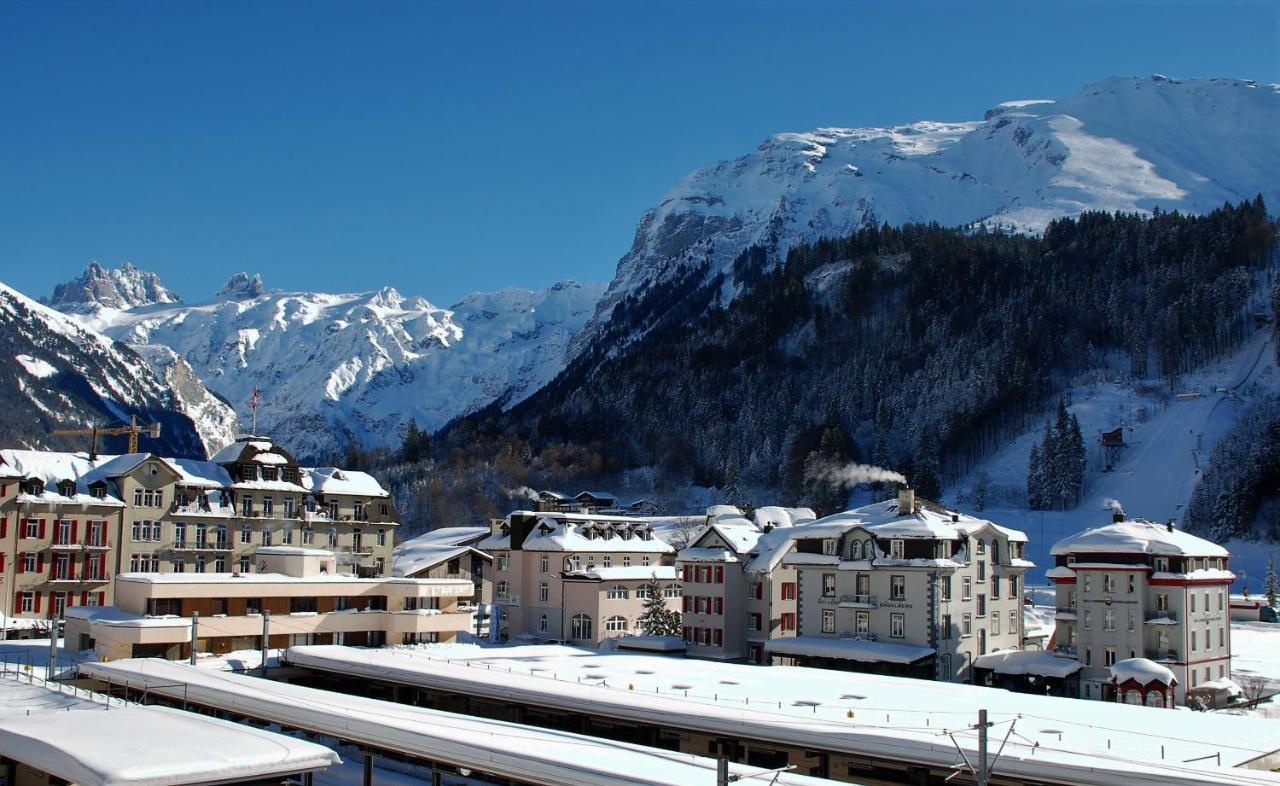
(1168, 443)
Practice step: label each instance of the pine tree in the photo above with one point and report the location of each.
(657, 619)
(1035, 480)
(1076, 459)
(981, 487)
(1272, 584)
(409, 450)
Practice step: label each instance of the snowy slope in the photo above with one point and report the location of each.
(334, 367)
(1120, 144)
(1168, 442)
(55, 373)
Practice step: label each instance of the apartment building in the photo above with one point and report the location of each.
(580, 578)
(737, 592)
(297, 596)
(1137, 589)
(70, 523)
(447, 553)
(905, 587)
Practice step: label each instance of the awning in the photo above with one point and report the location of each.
(1023, 662)
(862, 650)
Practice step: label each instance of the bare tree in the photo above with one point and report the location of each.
(1252, 687)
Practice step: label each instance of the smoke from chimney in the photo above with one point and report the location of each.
(521, 492)
(853, 474)
(1117, 510)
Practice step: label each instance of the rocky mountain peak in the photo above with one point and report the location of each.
(242, 287)
(98, 287)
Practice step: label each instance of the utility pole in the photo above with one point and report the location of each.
(195, 627)
(266, 637)
(984, 775)
(53, 649)
(722, 771)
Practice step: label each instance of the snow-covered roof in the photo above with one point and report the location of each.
(1137, 536)
(565, 535)
(293, 551)
(507, 750)
(927, 521)
(908, 719)
(150, 746)
(413, 557)
(775, 516)
(52, 468)
(861, 650)
(649, 643)
(771, 548)
(201, 474)
(706, 555)
(331, 480)
(1022, 662)
(449, 536)
(628, 573)
(1142, 671)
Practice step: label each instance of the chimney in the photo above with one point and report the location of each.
(1169, 526)
(906, 501)
(1117, 517)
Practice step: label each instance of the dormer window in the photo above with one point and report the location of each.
(67, 488)
(98, 490)
(855, 549)
(33, 487)
(982, 546)
(589, 533)
(1162, 564)
(897, 549)
(829, 546)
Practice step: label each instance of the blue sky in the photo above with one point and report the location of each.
(444, 148)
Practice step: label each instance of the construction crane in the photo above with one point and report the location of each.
(133, 430)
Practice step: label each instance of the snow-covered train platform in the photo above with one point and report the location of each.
(838, 724)
(88, 740)
(509, 752)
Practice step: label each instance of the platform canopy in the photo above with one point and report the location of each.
(861, 650)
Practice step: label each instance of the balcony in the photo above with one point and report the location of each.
(216, 545)
(1169, 617)
(858, 636)
(1066, 649)
(858, 601)
(197, 509)
(1163, 655)
(1065, 613)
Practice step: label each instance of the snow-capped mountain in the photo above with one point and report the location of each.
(57, 374)
(98, 287)
(1130, 144)
(337, 367)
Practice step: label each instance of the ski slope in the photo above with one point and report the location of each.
(1168, 442)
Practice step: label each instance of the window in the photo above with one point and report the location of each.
(308, 535)
(62, 567)
(787, 621)
(244, 567)
(333, 509)
(64, 532)
(995, 624)
(246, 506)
(1162, 564)
(30, 562)
(616, 624)
(829, 547)
(897, 626)
(755, 621)
(1192, 599)
(1110, 657)
(995, 589)
(855, 549)
(1133, 583)
(357, 511)
(27, 602)
(982, 570)
(1088, 656)
(333, 537)
(1013, 587)
(502, 589)
(542, 624)
(1109, 620)
(268, 538)
(288, 507)
(544, 563)
(1131, 620)
(672, 591)
(1162, 601)
(828, 585)
(944, 587)
(642, 592)
(982, 546)
(788, 590)
(1013, 621)
(1088, 620)
(1088, 583)
(504, 560)
(898, 587)
(1108, 583)
(137, 498)
(626, 560)
(967, 588)
(246, 533)
(828, 620)
(946, 626)
(136, 535)
(286, 536)
(580, 627)
(268, 507)
(1193, 641)
(896, 549)
(644, 560)
(544, 592)
(982, 605)
(607, 561)
(966, 625)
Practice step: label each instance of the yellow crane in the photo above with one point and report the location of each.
(133, 430)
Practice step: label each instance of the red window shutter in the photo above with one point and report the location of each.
(37, 594)
(686, 602)
(84, 598)
(1, 563)
(102, 597)
(4, 525)
(71, 568)
(719, 574)
(719, 605)
(75, 532)
(686, 573)
(22, 561)
(39, 563)
(42, 529)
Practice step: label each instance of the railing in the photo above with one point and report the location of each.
(1065, 610)
(1163, 655)
(859, 636)
(1066, 649)
(861, 600)
(1159, 615)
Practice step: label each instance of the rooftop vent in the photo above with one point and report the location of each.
(1117, 517)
